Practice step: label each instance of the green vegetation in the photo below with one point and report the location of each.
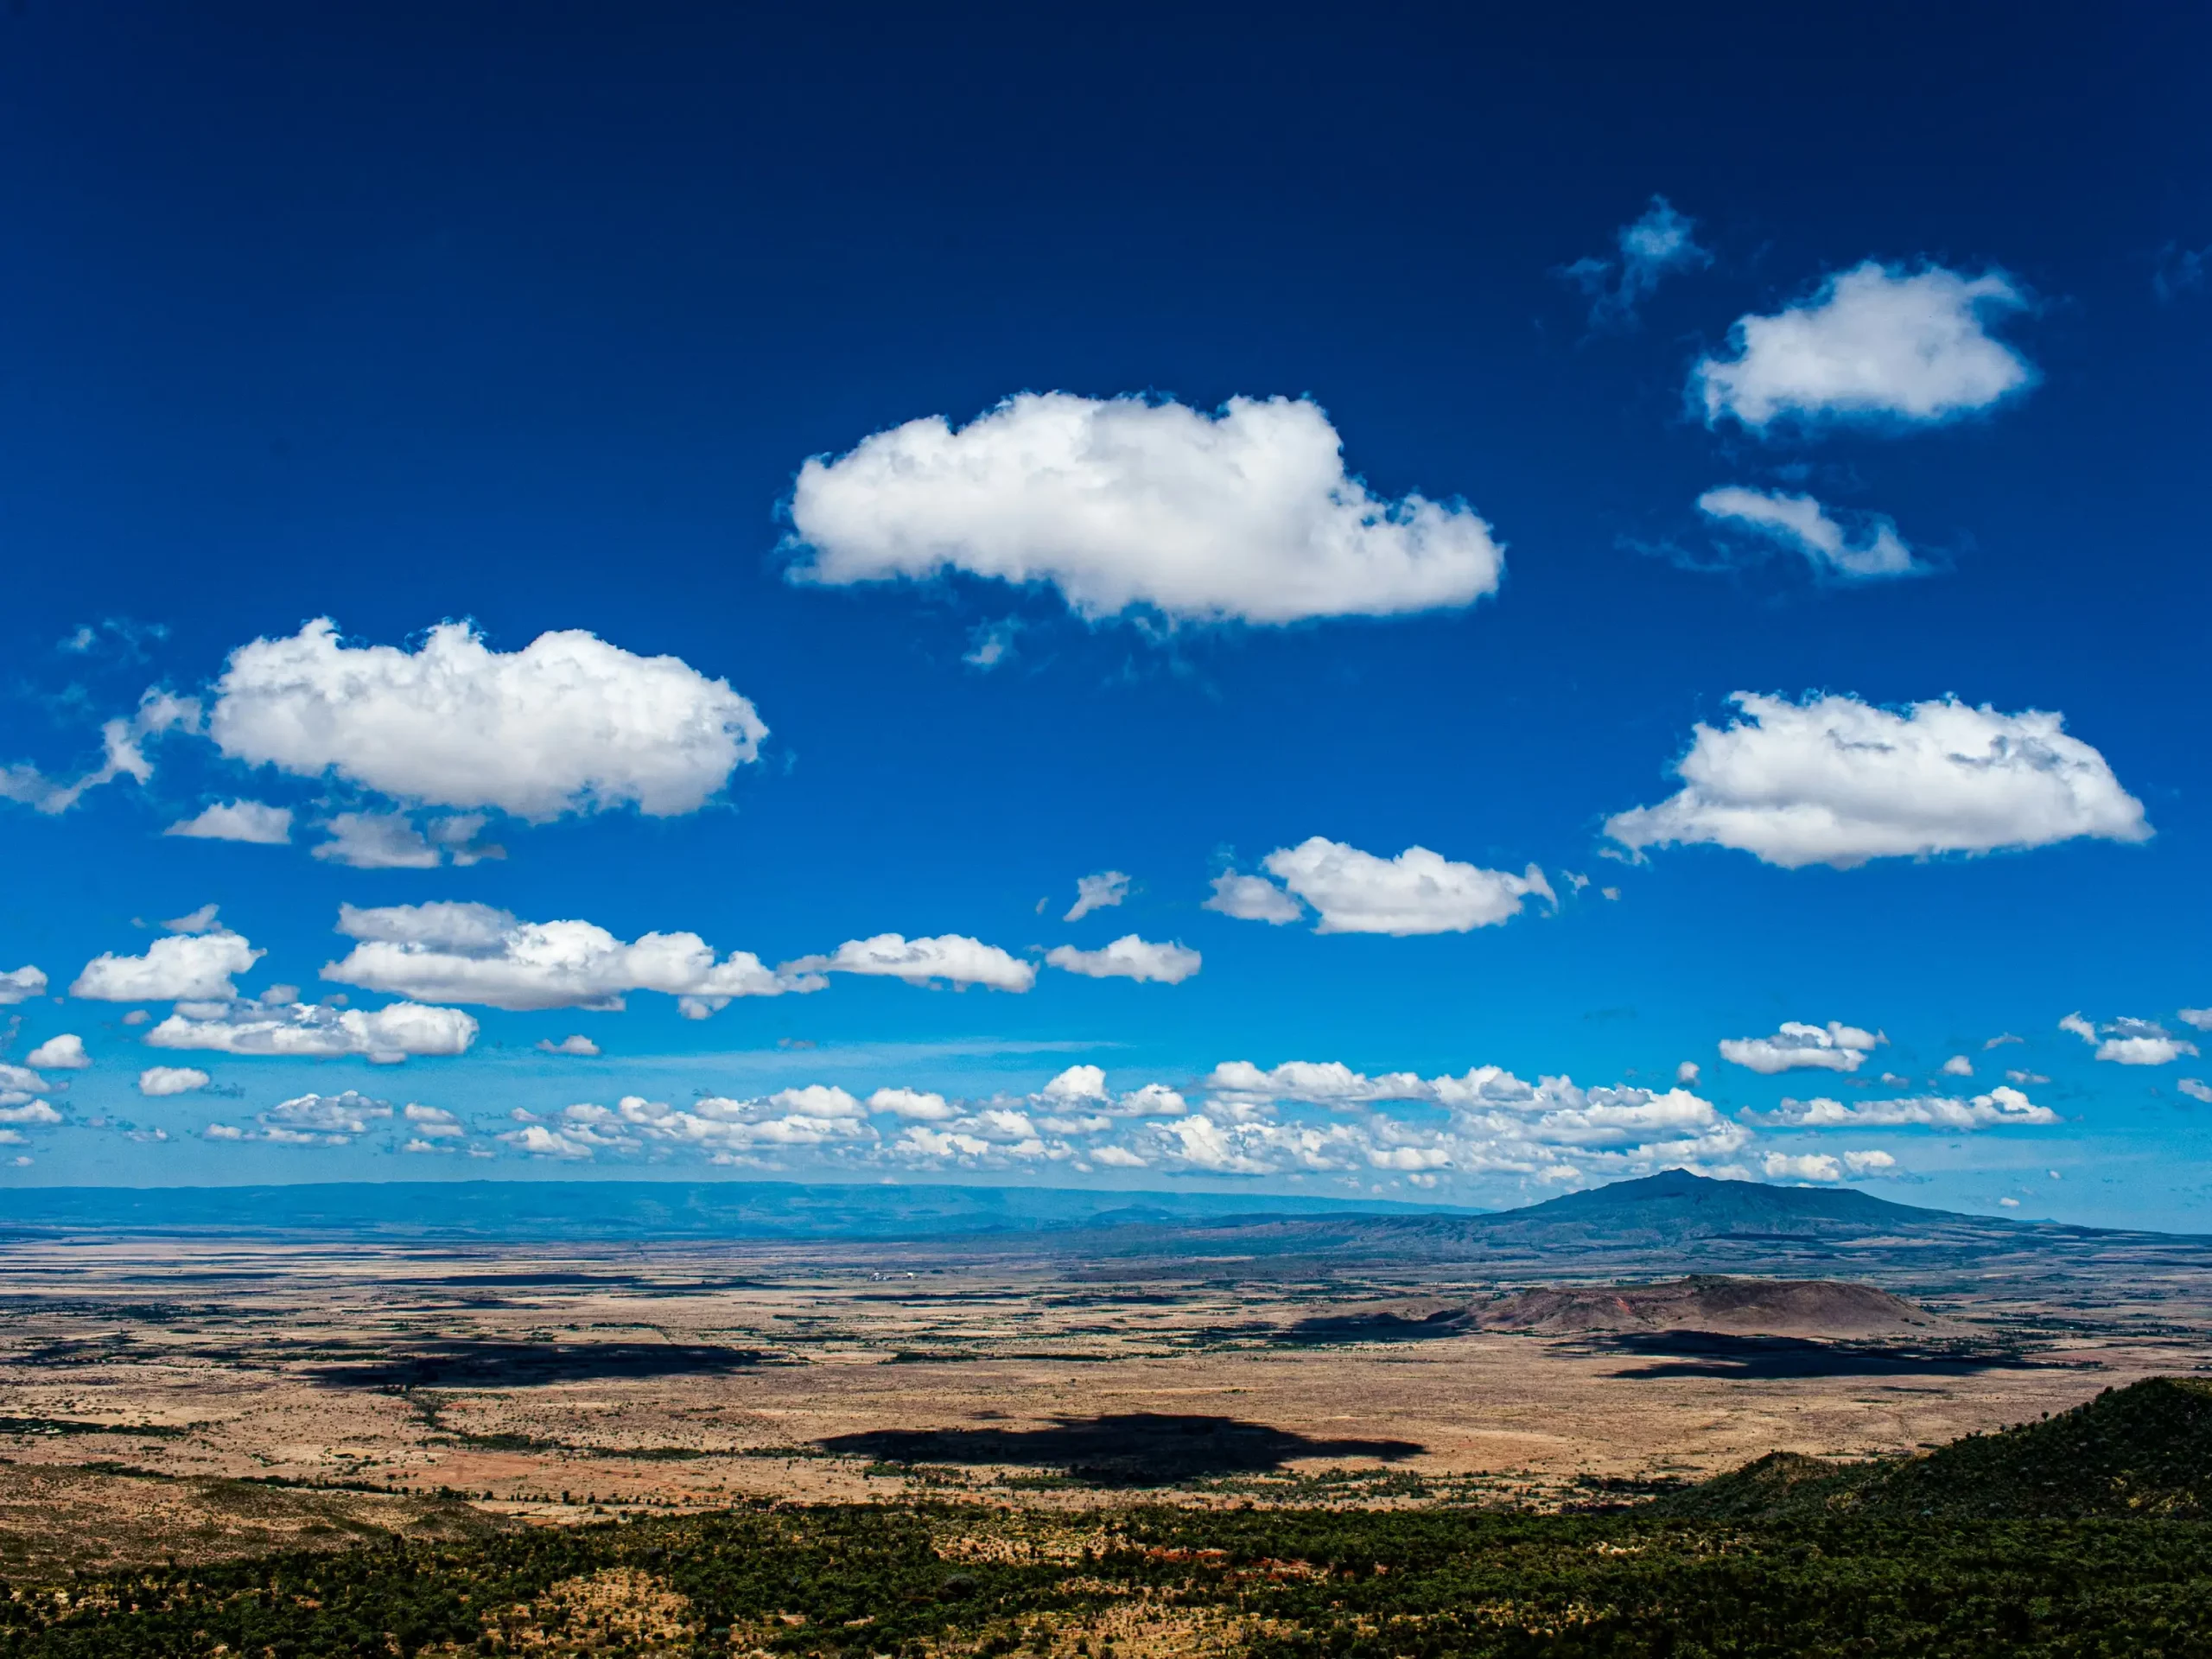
(855, 1580)
(2095, 1551)
(2146, 1450)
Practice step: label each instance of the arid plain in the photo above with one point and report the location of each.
(194, 1396)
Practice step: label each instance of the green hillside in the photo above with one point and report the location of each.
(2144, 1449)
(919, 1582)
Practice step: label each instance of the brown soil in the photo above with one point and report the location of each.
(140, 1380)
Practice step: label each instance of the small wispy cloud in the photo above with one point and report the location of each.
(1650, 249)
(1803, 525)
(2180, 270)
(1099, 892)
(991, 642)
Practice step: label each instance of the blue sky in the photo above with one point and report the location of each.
(1366, 461)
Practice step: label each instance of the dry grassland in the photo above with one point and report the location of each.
(141, 1381)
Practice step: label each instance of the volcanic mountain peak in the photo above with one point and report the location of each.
(1703, 1200)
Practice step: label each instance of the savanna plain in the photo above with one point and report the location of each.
(1159, 1443)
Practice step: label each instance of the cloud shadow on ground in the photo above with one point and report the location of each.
(1711, 1353)
(1132, 1449)
(526, 1364)
(1325, 1328)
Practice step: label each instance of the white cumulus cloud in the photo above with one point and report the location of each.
(1152, 1100)
(327, 1119)
(1616, 1116)
(576, 1044)
(1019, 1132)
(1958, 1067)
(389, 841)
(1876, 343)
(1129, 957)
(1833, 1047)
(568, 723)
(1826, 1167)
(448, 952)
(952, 957)
(1417, 892)
(377, 840)
(915, 1104)
(803, 1119)
(312, 1120)
(304, 1031)
(1253, 899)
(1492, 1121)
(2130, 1042)
(432, 1122)
(1836, 781)
(1615, 1130)
(1200, 1142)
(1098, 891)
(248, 820)
(158, 1080)
(185, 967)
(1803, 525)
(17, 1081)
(1998, 1108)
(1314, 1083)
(1078, 1084)
(1081, 1089)
(2143, 1051)
(20, 985)
(540, 1141)
(2195, 1089)
(1122, 504)
(939, 1145)
(65, 1053)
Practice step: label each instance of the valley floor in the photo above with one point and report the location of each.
(352, 1386)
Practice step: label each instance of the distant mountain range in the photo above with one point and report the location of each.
(1666, 1224)
(533, 1211)
(1674, 1211)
